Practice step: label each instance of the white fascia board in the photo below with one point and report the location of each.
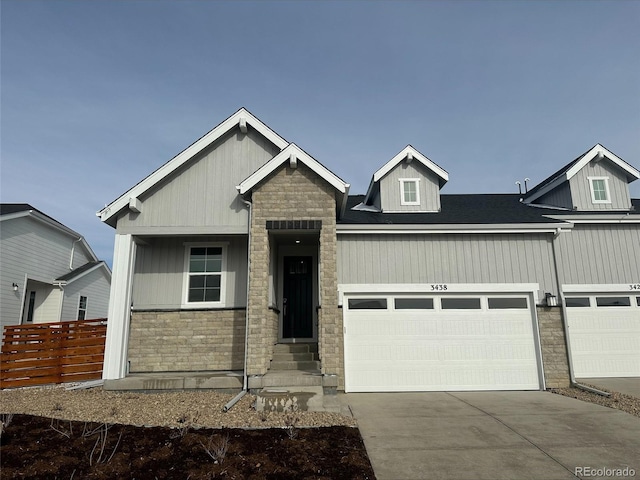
(387, 167)
(425, 288)
(601, 219)
(176, 162)
(593, 153)
(12, 216)
(269, 167)
(87, 272)
(586, 158)
(600, 288)
(461, 229)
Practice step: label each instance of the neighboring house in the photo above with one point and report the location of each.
(244, 243)
(48, 272)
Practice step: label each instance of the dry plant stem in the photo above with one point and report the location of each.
(61, 432)
(217, 450)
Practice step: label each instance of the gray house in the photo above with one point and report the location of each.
(245, 255)
(48, 272)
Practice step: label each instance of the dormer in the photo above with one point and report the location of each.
(408, 183)
(596, 180)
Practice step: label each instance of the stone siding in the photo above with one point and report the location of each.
(554, 347)
(186, 341)
(292, 194)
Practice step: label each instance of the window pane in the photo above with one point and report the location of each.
(367, 304)
(613, 301)
(83, 302)
(638, 301)
(599, 190)
(197, 264)
(498, 303)
(414, 303)
(577, 302)
(196, 294)
(212, 295)
(409, 188)
(212, 281)
(461, 304)
(196, 281)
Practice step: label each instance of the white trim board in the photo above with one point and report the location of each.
(603, 288)
(176, 162)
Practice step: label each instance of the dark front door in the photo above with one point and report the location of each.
(297, 302)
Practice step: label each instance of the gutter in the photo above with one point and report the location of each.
(243, 392)
(563, 306)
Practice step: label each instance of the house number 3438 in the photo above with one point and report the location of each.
(438, 287)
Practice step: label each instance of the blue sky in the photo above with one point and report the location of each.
(96, 95)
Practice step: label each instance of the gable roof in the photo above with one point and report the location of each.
(569, 170)
(292, 154)
(242, 118)
(9, 211)
(408, 151)
(85, 269)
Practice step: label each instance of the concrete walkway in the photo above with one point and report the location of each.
(626, 385)
(493, 436)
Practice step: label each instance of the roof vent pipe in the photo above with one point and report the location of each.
(526, 187)
(519, 187)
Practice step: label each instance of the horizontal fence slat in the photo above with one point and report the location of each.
(52, 353)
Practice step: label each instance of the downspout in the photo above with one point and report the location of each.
(235, 399)
(563, 306)
(73, 250)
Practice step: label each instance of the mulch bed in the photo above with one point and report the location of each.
(43, 448)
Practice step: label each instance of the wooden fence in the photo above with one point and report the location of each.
(58, 352)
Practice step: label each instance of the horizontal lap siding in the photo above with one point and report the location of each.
(451, 258)
(95, 287)
(159, 273)
(29, 247)
(600, 254)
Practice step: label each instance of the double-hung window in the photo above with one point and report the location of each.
(409, 191)
(204, 276)
(599, 189)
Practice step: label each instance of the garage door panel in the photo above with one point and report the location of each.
(436, 350)
(604, 340)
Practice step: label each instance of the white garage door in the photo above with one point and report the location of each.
(408, 342)
(604, 334)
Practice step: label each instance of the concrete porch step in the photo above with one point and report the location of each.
(294, 365)
(291, 378)
(295, 348)
(295, 357)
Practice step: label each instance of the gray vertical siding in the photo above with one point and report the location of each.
(95, 287)
(450, 258)
(203, 193)
(428, 185)
(559, 197)
(618, 187)
(159, 272)
(600, 254)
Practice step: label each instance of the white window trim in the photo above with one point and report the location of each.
(606, 189)
(185, 277)
(86, 307)
(404, 181)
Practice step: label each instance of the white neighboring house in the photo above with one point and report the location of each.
(48, 272)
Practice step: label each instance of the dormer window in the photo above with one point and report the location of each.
(599, 189)
(409, 191)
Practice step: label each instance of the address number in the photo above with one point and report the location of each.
(438, 287)
(633, 286)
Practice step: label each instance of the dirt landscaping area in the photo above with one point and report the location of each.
(94, 434)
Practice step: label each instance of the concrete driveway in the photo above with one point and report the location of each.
(494, 436)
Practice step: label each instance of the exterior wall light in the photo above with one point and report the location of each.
(551, 300)
(15, 287)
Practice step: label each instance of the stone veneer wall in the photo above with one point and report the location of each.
(292, 194)
(186, 340)
(554, 347)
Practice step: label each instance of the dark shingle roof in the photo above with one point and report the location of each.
(555, 175)
(77, 271)
(456, 209)
(8, 208)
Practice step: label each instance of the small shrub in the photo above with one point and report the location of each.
(217, 447)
